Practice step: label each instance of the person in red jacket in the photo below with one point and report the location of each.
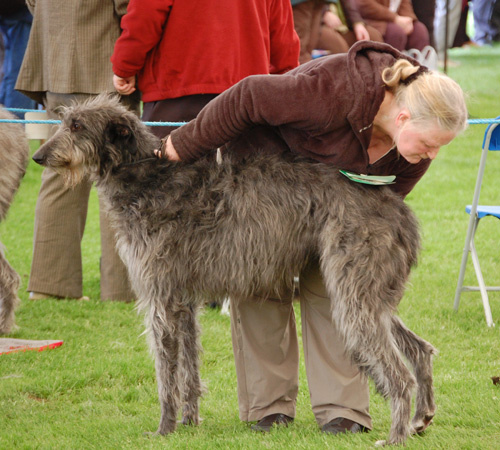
(183, 54)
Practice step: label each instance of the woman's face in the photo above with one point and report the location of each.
(417, 142)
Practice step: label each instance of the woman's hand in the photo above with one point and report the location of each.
(124, 86)
(405, 22)
(167, 150)
(361, 32)
(331, 20)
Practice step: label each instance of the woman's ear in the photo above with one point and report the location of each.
(402, 117)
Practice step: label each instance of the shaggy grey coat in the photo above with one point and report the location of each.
(14, 151)
(188, 232)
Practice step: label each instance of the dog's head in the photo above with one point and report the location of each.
(95, 137)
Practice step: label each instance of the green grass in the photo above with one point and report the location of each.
(98, 390)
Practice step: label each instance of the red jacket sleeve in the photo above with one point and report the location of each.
(285, 44)
(142, 27)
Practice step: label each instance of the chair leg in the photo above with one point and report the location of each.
(471, 230)
(481, 284)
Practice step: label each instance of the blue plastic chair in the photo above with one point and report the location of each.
(477, 212)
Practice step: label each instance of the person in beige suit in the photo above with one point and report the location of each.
(68, 59)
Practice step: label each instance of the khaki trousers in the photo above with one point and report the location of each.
(266, 352)
(60, 217)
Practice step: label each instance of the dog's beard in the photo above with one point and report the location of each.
(71, 177)
(73, 171)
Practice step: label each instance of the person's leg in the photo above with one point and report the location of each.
(425, 10)
(375, 35)
(419, 38)
(483, 30)
(395, 36)
(60, 216)
(495, 21)
(336, 386)
(332, 41)
(454, 13)
(266, 354)
(15, 30)
(181, 109)
(307, 23)
(115, 284)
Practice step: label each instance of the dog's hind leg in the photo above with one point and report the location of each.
(419, 353)
(9, 284)
(165, 344)
(190, 368)
(371, 346)
(363, 317)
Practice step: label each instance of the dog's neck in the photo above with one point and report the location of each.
(139, 161)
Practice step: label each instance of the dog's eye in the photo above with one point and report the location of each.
(76, 126)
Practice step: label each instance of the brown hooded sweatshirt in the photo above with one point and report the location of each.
(322, 110)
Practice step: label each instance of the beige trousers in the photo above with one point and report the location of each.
(266, 351)
(60, 217)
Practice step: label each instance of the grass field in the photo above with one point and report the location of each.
(98, 390)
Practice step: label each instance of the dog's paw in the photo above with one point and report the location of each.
(8, 328)
(151, 434)
(420, 425)
(193, 421)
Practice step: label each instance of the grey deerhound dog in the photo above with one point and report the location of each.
(14, 152)
(188, 232)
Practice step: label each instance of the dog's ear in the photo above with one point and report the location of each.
(122, 137)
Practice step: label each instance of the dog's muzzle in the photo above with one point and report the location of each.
(39, 158)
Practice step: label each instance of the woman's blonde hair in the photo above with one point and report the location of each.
(429, 96)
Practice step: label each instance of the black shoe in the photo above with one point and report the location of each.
(341, 425)
(265, 424)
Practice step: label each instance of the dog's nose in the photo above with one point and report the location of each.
(39, 159)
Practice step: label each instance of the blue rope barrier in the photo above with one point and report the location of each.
(24, 110)
(29, 121)
(482, 121)
(56, 122)
(173, 124)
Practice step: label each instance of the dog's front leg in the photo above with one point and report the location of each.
(166, 348)
(9, 284)
(190, 368)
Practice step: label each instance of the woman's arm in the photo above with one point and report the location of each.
(406, 9)
(303, 99)
(375, 10)
(142, 27)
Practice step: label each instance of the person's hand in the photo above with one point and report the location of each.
(406, 23)
(331, 20)
(361, 32)
(124, 86)
(167, 150)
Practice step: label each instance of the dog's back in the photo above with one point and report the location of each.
(279, 209)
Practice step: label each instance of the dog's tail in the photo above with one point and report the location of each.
(14, 152)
